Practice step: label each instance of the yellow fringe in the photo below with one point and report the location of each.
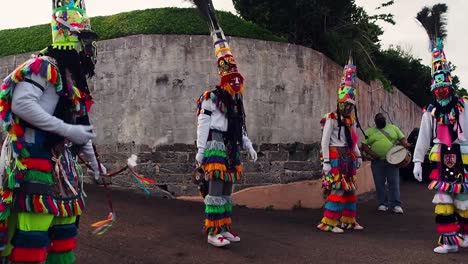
(330, 222)
(217, 223)
(434, 154)
(348, 220)
(462, 213)
(465, 159)
(444, 209)
(222, 50)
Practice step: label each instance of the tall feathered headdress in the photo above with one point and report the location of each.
(227, 67)
(347, 89)
(434, 22)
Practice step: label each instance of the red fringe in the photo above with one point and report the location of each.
(37, 164)
(336, 198)
(350, 198)
(331, 214)
(447, 228)
(62, 245)
(349, 213)
(464, 227)
(28, 254)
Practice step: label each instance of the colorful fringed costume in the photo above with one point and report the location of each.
(44, 109)
(444, 123)
(450, 177)
(341, 154)
(221, 133)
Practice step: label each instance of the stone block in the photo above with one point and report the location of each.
(184, 147)
(175, 168)
(298, 156)
(277, 155)
(169, 156)
(262, 178)
(294, 176)
(298, 166)
(269, 147)
(173, 178)
(255, 166)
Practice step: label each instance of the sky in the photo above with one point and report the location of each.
(406, 33)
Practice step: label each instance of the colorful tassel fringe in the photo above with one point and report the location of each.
(101, 227)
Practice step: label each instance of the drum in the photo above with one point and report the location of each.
(399, 156)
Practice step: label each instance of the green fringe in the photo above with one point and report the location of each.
(215, 152)
(213, 209)
(61, 258)
(24, 153)
(11, 183)
(210, 231)
(39, 176)
(218, 209)
(5, 214)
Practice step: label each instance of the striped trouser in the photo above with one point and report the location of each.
(451, 217)
(218, 207)
(35, 238)
(339, 208)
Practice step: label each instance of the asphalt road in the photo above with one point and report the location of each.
(153, 230)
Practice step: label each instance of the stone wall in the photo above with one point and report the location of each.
(146, 86)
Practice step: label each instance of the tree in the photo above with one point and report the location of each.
(407, 73)
(332, 27)
(336, 27)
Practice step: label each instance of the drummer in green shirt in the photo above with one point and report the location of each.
(378, 142)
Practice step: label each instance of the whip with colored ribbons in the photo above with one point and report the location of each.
(102, 226)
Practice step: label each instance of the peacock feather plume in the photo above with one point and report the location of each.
(434, 21)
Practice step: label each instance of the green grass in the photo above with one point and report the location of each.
(184, 21)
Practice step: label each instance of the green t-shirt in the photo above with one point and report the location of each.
(379, 143)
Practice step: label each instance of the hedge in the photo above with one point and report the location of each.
(184, 21)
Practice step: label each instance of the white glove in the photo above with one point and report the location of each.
(200, 155)
(253, 154)
(249, 147)
(417, 171)
(78, 134)
(97, 174)
(359, 162)
(326, 168)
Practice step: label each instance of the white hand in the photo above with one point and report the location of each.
(253, 154)
(97, 174)
(326, 168)
(79, 134)
(359, 162)
(199, 157)
(417, 171)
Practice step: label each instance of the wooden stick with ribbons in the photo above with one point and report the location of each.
(102, 226)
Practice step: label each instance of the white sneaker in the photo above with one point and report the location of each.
(444, 249)
(357, 226)
(337, 230)
(397, 209)
(382, 208)
(218, 240)
(465, 241)
(230, 236)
